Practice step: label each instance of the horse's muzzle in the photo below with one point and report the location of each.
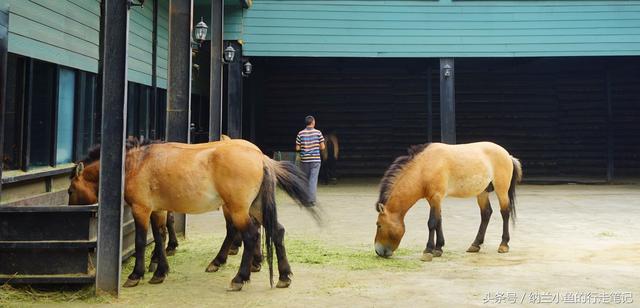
(383, 251)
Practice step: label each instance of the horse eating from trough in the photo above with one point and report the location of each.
(195, 178)
(435, 171)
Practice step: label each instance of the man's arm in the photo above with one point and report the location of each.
(298, 143)
(322, 145)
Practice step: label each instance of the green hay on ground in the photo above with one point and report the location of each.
(19, 296)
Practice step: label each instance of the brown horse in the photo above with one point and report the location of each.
(86, 182)
(435, 171)
(233, 175)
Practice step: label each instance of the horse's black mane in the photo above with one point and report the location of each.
(131, 143)
(394, 170)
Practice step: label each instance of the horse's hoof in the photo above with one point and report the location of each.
(156, 280)
(437, 253)
(283, 283)
(234, 286)
(256, 267)
(170, 252)
(131, 283)
(473, 248)
(426, 257)
(503, 249)
(152, 267)
(233, 251)
(212, 268)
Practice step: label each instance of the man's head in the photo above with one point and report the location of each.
(310, 121)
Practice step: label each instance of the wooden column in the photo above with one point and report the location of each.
(4, 35)
(179, 80)
(429, 106)
(234, 94)
(114, 106)
(610, 131)
(447, 101)
(215, 78)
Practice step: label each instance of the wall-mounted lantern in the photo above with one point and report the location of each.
(447, 71)
(247, 68)
(229, 54)
(131, 3)
(201, 31)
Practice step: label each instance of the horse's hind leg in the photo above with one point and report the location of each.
(505, 211)
(221, 257)
(141, 219)
(242, 222)
(173, 239)
(485, 214)
(158, 220)
(256, 264)
(284, 269)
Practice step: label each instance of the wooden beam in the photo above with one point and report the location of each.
(112, 152)
(447, 101)
(215, 77)
(4, 36)
(234, 94)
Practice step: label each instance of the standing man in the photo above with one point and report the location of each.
(309, 142)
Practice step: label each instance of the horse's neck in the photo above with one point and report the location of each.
(407, 190)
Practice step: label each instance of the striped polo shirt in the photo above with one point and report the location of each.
(309, 140)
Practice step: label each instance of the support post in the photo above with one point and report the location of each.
(610, 140)
(429, 106)
(114, 106)
(447, 101)
(234, 94)
(215, 78)
(179, 80)
(4, 36)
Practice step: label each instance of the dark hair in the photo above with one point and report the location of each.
(308, 120)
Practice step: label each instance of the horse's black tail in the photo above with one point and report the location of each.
(516, 177)
(267, 197)
(294, 182)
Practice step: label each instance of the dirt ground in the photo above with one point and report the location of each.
(570, 240)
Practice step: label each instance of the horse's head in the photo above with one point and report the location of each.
(389, 233)
(84, 185)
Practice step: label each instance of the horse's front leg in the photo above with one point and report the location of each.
(141, 219)
(221, 257)
(436, 237)
(250, 238)
(284, 269)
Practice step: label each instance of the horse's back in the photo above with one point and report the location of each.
(193, 178)
(468, 169)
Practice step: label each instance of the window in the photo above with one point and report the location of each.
(87, 113)
(42, 89)
(64, 119)
(52, 114)
(12, 147)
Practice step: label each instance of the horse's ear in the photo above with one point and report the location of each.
(380, 207)
(79, 168)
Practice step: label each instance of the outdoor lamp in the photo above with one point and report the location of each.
(447, 72)
(229, 54)
(201, 31)
(247, 68)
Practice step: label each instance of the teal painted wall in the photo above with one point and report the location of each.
(441, 28)
(60, 31)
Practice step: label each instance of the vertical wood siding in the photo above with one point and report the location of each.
(441, 28)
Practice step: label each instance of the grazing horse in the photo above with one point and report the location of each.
(196, 178)
(435, 171)
(87, 182)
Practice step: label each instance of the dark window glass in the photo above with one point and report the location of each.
(132, 108)
(43, 96)
(86, 113)
(143, 111)
(161, 114)
(11, 158)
